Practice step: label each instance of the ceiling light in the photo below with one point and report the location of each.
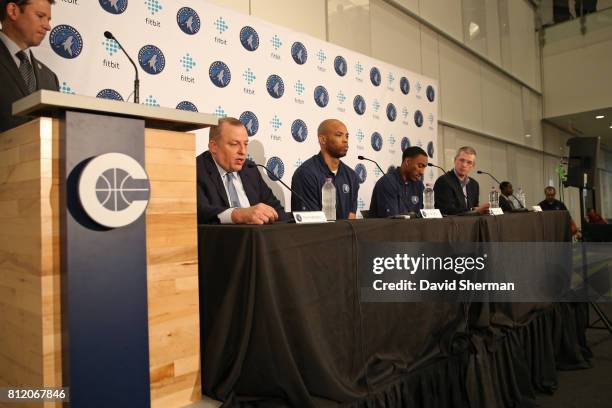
(473, 29)
(600, 116)
(527, 135)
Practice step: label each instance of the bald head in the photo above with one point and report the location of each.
(333, 138)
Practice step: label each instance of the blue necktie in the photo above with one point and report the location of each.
(233, 194)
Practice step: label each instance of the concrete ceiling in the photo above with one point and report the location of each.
(585, 124)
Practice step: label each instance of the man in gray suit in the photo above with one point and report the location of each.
(24, 25)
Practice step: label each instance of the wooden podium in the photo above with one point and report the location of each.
(77, 309)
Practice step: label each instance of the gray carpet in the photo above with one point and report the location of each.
(587, 388)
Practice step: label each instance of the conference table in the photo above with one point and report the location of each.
(282, 322)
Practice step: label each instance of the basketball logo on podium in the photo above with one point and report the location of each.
(114, 190)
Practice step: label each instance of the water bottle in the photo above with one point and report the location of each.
(428, 197)
(522, 198)
(493, 198)
(328, 195)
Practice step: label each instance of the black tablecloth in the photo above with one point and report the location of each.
(282, 323)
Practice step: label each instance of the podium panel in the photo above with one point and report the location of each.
(33, 294)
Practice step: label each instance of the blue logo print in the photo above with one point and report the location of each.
(431, 95)
(250, 122)
(299, 130)
(187, 106)
(340, 66)
(375, 76)
(219, 74)
(299, 53)
(249, 38)
(151, 59)
(275, 86)
(114, 6)
(404, 85)
(377, 141)
(66, 41)
(418, 118)
(359, 105)
(188, 20)
(276, 167)
(405, 143)
(391, 112)
(109, 94)
(321, 96)
(361, 173)
(430, 149)
(221, 25)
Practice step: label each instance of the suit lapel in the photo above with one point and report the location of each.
(213, 173)
(458, 190)
(6, 59)
(249, 188)
(35, 67)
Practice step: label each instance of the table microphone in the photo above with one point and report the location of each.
(488, 174)
(110, 36)
(365, 158)
(433, 165)
(274, 177)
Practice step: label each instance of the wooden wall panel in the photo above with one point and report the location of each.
(30, 340)
(172, 271)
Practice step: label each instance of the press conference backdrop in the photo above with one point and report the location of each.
(198, 56)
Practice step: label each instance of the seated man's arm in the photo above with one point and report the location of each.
(385, 199)
(307, 187)
(444, 199)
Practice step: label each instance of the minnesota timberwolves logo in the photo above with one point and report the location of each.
(114, 6)
(430, 149)
(219, 74)
(418, 118)
(431, 95)
(187, 106)
(375, 76)
(249, 38)
(346, 189)
(361, 173)
(66, 41)
(276, 167)
(391, 112)
(188, 20)
(359, 105)
(340, 65)
(114, 190)
(299, 130)
(151, 59)
(321, 96)
(405, 143)
(376, 141)
(250, 122)
(275, 86)
(109, 94)
(404, 85)
(299, 53)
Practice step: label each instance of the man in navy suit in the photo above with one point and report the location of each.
(24, 25)
(230, 189)
(455, 192)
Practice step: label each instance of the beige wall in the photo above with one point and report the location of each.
(583, 84)
(489, 78)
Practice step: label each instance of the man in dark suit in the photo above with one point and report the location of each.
(230, 189)
(24, 25)
(454, 191)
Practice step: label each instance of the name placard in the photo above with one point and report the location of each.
(309, 217)
(496, 211)
(536, 208)
(431, 213)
